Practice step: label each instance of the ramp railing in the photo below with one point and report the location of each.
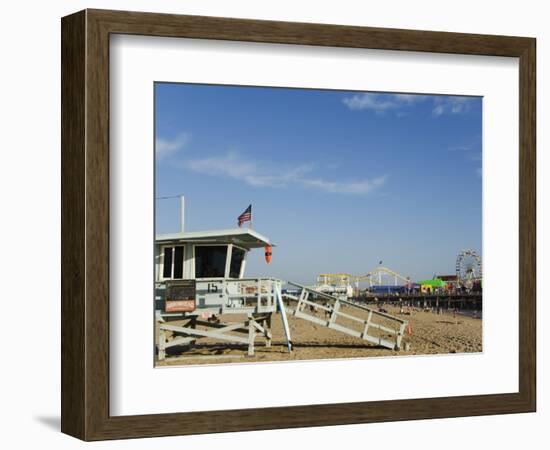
(346, 317)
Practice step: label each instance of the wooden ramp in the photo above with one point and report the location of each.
(346, 317)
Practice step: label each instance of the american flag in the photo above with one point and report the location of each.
(246, 216)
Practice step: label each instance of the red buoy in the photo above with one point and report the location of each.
(268, 250)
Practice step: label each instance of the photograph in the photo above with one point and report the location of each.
(298, 224)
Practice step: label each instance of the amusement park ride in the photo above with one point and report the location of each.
(468, 268)
(345, 284)
(199, 280)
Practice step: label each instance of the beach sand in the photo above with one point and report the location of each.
(431, 334)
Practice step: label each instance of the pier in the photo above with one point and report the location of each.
(467, 301)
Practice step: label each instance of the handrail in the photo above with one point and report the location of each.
(330, 297)
(335, 312)
(380, 313)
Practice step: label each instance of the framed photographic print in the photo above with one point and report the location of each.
(273, 225)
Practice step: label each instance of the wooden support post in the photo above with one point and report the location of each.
(399, 336)
(162, 345)
(251, 335)
(300, 298)
(267, 327)
(193, 326)
(334, 313)
(367, 324)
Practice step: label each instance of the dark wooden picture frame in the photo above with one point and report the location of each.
(85, 224)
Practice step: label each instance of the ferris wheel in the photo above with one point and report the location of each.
(468, 266)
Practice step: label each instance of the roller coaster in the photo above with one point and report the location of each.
(376, 277)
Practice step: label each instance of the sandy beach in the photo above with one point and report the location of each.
(431, 334)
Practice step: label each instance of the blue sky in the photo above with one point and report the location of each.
(339, 180)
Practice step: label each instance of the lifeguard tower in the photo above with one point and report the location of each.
(199, 276)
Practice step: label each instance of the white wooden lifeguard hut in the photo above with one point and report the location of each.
(199, 277)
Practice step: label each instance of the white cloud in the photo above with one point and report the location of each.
(381, 103)
(232, 165)
(471, 150)
(165, 148)
(346, 187)
(451, 105)
(476, 157)
(460, 148)
(261, 174)
(398, 103)
(409, 98)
